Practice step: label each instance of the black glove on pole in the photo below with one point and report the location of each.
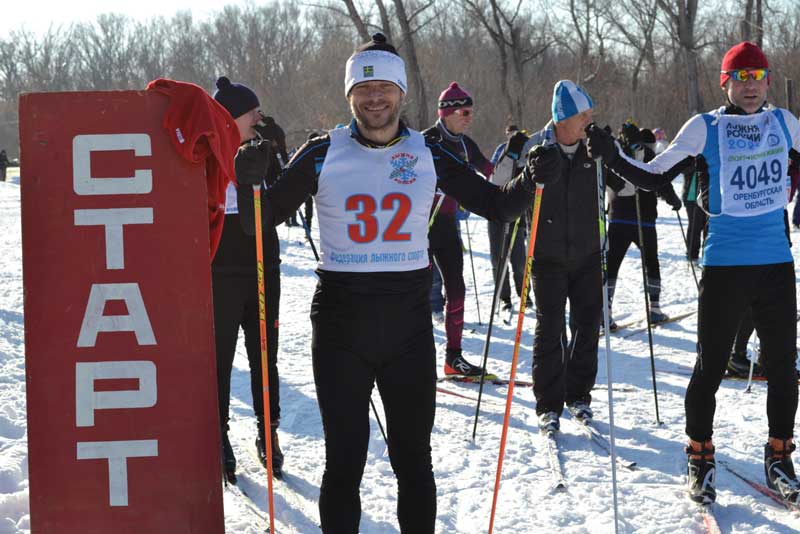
(252, 162)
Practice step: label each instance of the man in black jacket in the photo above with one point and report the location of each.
(235, 288)
(566, 265)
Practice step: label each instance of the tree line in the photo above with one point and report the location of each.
(654, 61)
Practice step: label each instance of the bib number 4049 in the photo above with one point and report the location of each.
(366, 229)
(751, 176)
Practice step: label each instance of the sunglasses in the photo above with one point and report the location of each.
(463, 112)
(742, 75)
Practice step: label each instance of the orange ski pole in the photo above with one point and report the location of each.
(262, 327)
(537, 202)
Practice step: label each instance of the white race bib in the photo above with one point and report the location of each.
(231, 202)
(753, 164)
(373, 205)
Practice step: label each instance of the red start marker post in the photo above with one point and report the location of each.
(123, 425)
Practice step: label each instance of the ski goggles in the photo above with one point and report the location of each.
(742, 75)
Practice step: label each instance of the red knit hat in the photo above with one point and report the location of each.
(745, 55)
(452, 98)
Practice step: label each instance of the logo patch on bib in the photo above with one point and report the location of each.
(403, 164)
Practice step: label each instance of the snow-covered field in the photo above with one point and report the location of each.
(651, 499)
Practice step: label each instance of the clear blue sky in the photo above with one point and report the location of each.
(37, 16)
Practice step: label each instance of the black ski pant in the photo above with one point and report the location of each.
(565, 371)
(620, 237)
(725, 293)
(498, 248)
(361, 339)
(696, 228)
(235, 305)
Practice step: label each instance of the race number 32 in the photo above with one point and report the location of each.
(366, 229)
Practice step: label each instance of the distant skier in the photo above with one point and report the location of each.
(455, 116)
(747, 145)
(4, 164)
(623, 220)
(374, 183)
(504, 169)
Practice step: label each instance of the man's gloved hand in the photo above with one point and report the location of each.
(252, 162)
(630, 134)
(669, 196)
(543, 166)
(600, 143)
(515, 144)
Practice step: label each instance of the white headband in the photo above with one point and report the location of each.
(375, 65)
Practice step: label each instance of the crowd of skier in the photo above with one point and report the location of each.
(388, 201)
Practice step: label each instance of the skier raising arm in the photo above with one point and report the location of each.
(374, 184)
(746, 145)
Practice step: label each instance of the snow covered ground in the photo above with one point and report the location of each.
(651, 499)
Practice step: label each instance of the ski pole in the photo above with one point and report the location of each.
(435, 210)
(691, 265)
(308, 235)
(601, 201)
(647, 303)
(262, 327)
(537, 202)
(474, 280)
(495, 298)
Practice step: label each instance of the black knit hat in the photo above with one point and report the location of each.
(238, 99)
(378, 42)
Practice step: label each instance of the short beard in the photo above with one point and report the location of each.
(365, 125)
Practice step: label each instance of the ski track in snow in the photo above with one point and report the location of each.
(651, 499)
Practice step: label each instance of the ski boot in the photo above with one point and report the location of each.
(581, 411)
(779, 470)
(739, 366)
(548, 423)
(702, 472)
(656, 315)
(277, 454)
(455, 364)
(438, 317)
(228, 458)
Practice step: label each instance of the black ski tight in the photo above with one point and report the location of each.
(725, 292)
(620, 237)
(360, 340)
(235, 305)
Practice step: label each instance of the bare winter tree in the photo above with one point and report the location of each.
(586, 37)
(682, 15)
(512, 35)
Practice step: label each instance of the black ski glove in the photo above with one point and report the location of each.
(669, 196)
(543, 166)
(514, 145)
(600, 144)
(252, 162)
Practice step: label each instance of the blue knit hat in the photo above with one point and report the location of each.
(569, 100)
(238, 99)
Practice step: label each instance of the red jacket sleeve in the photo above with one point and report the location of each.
(202, 131)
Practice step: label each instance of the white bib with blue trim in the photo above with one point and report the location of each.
(753, 152)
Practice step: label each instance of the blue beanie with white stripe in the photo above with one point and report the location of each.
(569, 100)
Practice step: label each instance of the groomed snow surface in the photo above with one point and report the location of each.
(651, 499)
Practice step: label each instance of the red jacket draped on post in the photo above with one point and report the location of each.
(202, 131)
